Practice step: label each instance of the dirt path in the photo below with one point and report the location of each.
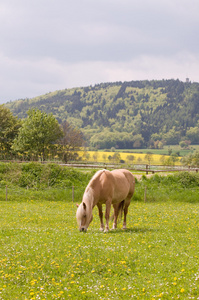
(140, 176)
(149, 175)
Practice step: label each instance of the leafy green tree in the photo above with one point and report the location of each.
(174, 158)
(130, 158)
(185, 144)
(9, 126)
(192, 160)
(193, 134)
(38, 134)
(149, 157)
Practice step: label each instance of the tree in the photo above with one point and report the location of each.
(192, 160)
(38, 134)
(9, 126)
(149, 157)
(71, 141)
(193, 135)
(174, 158)
(185, 144)
(130, 158)
(116, 157)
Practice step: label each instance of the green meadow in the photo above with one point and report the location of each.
(44, 256)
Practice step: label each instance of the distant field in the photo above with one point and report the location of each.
(164, 151)
(138, 158)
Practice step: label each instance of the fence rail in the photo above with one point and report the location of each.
(147, 169)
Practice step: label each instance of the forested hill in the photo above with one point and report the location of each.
(125, 114)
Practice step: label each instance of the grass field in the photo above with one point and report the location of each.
(174, 148)
(43, 256)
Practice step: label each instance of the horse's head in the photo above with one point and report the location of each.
(84, 216)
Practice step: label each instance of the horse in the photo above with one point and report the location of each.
(110, 188)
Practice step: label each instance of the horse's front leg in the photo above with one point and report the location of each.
(101, 217)
(107, 214)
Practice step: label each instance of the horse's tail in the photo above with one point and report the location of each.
(120, 209)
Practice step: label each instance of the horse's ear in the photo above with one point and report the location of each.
(77, 204)
(84, 205)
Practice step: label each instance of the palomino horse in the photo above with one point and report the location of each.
(106, 187)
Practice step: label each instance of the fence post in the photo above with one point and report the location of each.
(147, 166)
(145, 194)
(6, 193)
(73, 193)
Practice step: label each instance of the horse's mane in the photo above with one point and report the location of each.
(95, 177)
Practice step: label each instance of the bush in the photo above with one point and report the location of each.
(37, 176)
(188, 179)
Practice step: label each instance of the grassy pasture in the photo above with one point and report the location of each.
(43, 256)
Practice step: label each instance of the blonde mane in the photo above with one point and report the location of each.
(95, 176)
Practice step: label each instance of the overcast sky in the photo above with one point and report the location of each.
(47, 45)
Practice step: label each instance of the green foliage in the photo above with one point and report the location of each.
(9, 126)
(183, 186)
(183, 179)
(37, 176)
(127, 115)
(38, 133)
(188, 180)
(192, 159)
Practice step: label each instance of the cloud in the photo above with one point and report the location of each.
(47, 45)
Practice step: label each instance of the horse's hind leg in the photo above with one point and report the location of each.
(101, 217)
(116, 211)
(126, 205)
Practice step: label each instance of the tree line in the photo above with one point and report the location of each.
(37, 137)
(125, 115)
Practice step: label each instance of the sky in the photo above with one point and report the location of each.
(48, 45)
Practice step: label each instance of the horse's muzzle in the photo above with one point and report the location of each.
(83, 230)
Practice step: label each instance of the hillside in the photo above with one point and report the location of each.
(125, 114)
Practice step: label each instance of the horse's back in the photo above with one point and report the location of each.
(124, 183)
(117, 185)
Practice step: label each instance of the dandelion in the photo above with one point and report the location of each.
(182, 290)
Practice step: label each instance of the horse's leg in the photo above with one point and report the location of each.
(107, 214)
(116, 211)
(126, 205)
(101, 217)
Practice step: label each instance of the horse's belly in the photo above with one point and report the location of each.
(119, 197)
